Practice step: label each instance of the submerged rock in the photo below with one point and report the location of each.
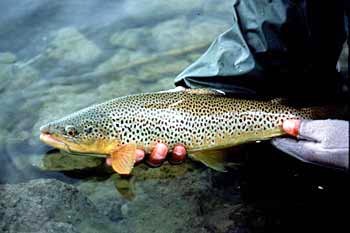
(27, 207)
(53, 227)
(6, 74)
(145, 10)
(165, 199)
(71, 46)
(24, 76)
(180, 32)
(223, 10)
(120, 87)
(161, 69)
(171, 34)
(7, 58)
(105, 196)
(17, 77)
(121, 60)
(211, 28)
(134, 38)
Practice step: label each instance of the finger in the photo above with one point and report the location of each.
(140, 155)
(322, 130)
(306, 129)
(109, 161)
(158, 154)
(289, 146)
(178, 155)
(313, 152)
(291, 127)
(311, 130)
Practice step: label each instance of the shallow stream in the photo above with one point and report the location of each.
(57, 57)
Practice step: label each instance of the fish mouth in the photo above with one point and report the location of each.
(52, 141)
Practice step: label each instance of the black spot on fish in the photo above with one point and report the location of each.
(88, 130)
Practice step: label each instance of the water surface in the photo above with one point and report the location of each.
(58, 57)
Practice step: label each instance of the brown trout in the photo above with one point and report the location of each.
(204, 121)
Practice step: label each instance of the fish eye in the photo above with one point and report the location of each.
(71, 131)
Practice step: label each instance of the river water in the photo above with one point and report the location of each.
(57, 57)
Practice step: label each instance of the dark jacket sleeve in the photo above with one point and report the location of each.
(274, 48)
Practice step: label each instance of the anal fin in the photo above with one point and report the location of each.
(215, 159)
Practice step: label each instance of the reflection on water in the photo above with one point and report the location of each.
(58, 57)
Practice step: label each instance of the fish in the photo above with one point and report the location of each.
(204, 121)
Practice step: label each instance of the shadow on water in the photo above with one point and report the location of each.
(58, 57)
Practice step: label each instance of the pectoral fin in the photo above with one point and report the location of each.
(124, 158)
(215, 159)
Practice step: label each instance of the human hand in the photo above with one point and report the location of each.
(323, 142)
(158, 155)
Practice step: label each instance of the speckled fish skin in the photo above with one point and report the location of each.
(198, 121)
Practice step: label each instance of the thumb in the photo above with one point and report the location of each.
(291, 127)
(289, 146)
(310, 130)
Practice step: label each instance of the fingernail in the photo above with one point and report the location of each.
(140, 155)
(291, 127)
(179, 150)
(109, 161)
(158, 154)
(178, 155)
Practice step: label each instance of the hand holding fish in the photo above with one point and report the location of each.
(158, 155)
(324, 142)
(203, 121)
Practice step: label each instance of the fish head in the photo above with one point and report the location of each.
(86, 131)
